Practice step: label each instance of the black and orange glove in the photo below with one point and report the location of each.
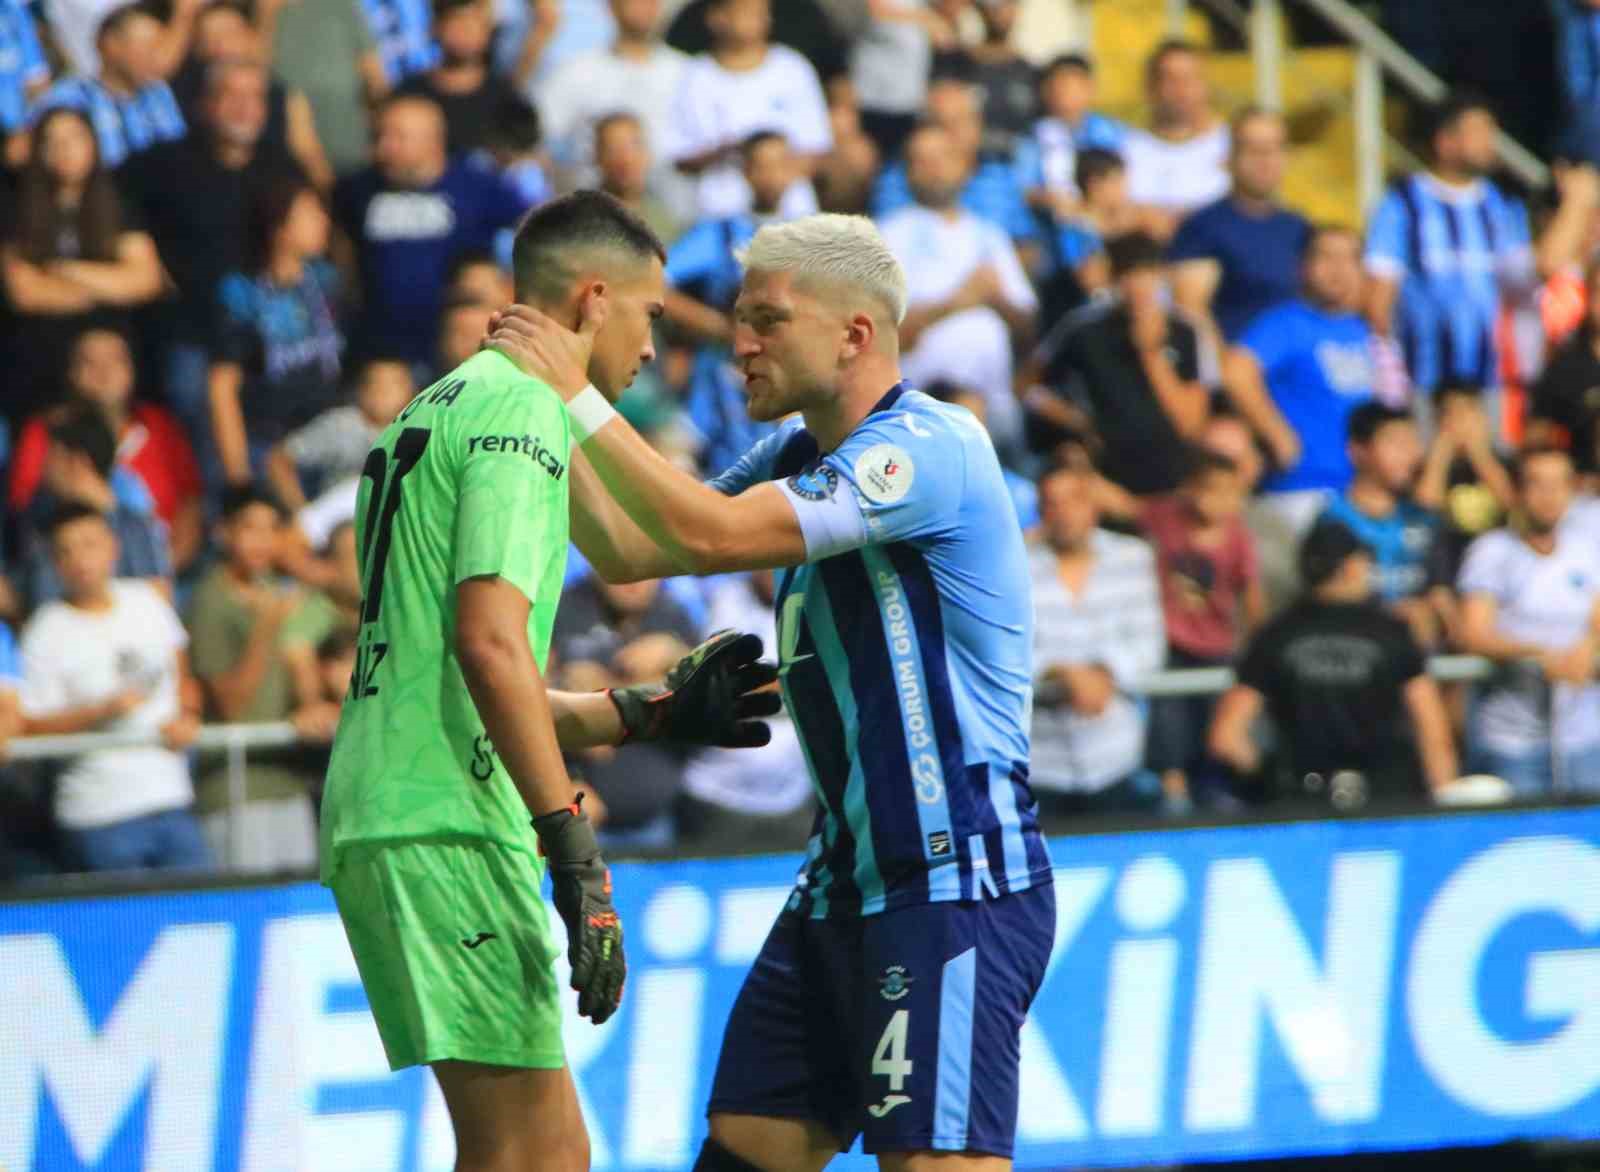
(712, 696)
(581, 883)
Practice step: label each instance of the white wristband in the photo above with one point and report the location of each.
(589, 412)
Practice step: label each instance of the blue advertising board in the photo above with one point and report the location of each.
(1214, 993)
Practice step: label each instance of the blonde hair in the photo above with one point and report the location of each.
(834, 250)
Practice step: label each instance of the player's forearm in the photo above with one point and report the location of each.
(607, 537)
(518, 715)
(585, 720)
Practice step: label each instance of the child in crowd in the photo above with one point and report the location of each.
(332, 447)
(1211, 598)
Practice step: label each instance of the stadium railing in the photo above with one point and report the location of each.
(235, 741)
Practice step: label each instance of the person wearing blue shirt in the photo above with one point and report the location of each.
(1446, 248)
(1410, 573)
(1241, 255)
(129, 104)
(1295, 375)
(703, 274)
(1045, 160)
(905, 648)
(24, 72)
(410, 215)
(990, 192)
(403, 33)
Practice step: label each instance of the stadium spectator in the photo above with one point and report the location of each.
(252, 641)
(703, 275)
(1409, 557)
(511, 147)
(1008, 81)
(1295, 375)
(25, 76)
(1047, 158)
(815, 29)
(1075, 246)
(150, 444)
(223, 32)
(1132, 367)
(408, 216)
(844, 177)
(636, 74)
(1356, 714)
(745, 84)
(466, 90)
(325, 50)
(1566, 399)
(71, 255)
(1578, 30)
(1237, 257)
(747, 799)
(1097, 634)
(1448, 250)
(1181, 162)
(462, 325)
(889, 67)
(615, 636)
(109, 657)
(988, 186)
(622, 160)
(75, 27)
(1529, 600)
(196, 195)
(970, 300)
(403, 31)
(127, 101)
(475, 275)
(333, 446)
(1211, 598)
(1463, 480)
(79, 469)
(276, 361)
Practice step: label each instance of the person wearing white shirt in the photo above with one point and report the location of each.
(635, 74)
(971, 303)
(1181, 162)
(109, 657)
(744, 85)
(1530, 600)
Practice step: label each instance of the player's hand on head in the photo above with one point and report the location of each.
(715, 695)
(546, 349)
(580, 883)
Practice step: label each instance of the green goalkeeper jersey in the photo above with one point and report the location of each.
(470, 480)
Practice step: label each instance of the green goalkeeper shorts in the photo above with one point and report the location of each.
(454, 948)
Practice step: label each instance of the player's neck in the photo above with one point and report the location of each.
(830, 422)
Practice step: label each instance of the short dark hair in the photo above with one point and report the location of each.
(339, 641)
(1078, 62)
(1094, 164)
(615, 118)
(445, 7)
(1457, 104)
(1197, 463)
(1458, 389)
(1325, 549)
(84, 430)
(267, 214)
(465, 259)
(69, 513)
(1326, 228)
(583, 219)
(112, 22)
(1168, 48)
(1133, 250)
(1519, 465)
(237, 499)
(756, 141)
(514, 125)
(1372, 417)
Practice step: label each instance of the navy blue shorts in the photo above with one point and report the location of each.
(901, 1027)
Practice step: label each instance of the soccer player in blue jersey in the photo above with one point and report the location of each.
(888, 998)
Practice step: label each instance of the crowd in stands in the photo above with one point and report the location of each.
(237, 238)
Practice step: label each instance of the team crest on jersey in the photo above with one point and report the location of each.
(895, 982)
(816, 484)
(884, 474)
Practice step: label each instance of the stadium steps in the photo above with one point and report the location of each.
(1317, 85)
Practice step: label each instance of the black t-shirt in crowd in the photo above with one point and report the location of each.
(198, 211)
(1333, 676)
(1568, 394)
(468, 117)
(1090, 358)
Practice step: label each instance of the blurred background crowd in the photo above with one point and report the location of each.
(238, 237)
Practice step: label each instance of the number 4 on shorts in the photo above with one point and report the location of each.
(889, 1058)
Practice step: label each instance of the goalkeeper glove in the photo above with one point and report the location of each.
(581, 883)
(708, 698)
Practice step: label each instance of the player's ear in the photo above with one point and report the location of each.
(592, 294)
(860, 333)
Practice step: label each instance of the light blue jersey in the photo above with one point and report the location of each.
(906, 659)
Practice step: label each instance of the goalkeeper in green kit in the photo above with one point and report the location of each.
(447, 784)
